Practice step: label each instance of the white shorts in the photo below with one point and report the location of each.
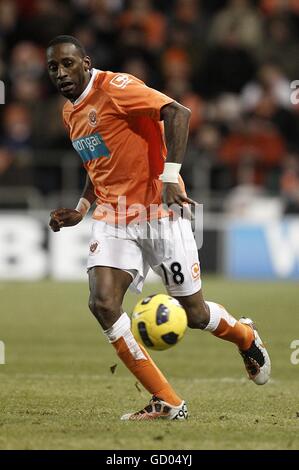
(168, 247)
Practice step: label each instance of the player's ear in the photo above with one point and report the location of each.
(87, 63)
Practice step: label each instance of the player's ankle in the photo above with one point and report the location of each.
(246, 342)
(170, 398)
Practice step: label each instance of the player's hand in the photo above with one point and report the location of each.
(64, 218)
(173, 194)
(174, 197)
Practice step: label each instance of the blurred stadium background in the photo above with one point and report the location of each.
(232, 62)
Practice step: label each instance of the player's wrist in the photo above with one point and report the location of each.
(171, 172)
(83, 206)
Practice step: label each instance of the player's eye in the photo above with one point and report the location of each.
(68, 63)
(52, 67)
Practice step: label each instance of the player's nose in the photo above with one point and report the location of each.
(61, 72)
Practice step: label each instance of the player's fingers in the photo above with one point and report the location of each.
(53, 214)
(54, 227)
(188, 199)
(179, 201)
(55, 224)
(59, 213)
(188, 213)
(187, 208)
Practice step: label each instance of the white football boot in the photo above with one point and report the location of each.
(158, 409)
(256, 358)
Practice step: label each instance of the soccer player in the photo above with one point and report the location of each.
(119, 127)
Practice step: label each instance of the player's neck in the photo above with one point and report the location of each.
(85, 84)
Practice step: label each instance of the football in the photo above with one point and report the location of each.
(159, 322)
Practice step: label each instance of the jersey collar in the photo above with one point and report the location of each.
(88, 88)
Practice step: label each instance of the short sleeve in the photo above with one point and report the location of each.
(133, 98)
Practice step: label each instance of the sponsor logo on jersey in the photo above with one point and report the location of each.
(91, 147)
(92, 117)
(120, 81)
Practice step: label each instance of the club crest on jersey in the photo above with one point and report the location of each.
(92, 117)
(94, 247)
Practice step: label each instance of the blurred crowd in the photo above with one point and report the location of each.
(231, 61)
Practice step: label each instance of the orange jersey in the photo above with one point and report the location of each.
(116, 129)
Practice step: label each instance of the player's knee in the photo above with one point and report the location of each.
(198, 318)
(103, 307)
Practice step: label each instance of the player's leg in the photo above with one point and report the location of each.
(181, 276)
(107, 289)
(213, 317)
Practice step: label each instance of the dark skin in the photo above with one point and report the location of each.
(69, 217)
(68, 69)
(70, 73)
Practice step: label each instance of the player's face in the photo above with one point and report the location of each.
(68, 70)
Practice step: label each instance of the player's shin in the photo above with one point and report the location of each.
(139, 362)
(225, 326)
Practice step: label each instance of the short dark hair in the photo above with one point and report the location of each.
(68, 39)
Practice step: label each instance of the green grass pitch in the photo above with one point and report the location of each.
(57, 390)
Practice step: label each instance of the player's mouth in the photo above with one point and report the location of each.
(66, 87)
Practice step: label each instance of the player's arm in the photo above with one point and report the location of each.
(176, 128)
(69, 217)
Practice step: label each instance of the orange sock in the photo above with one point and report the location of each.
(138, 361)
(241, 335)
(146, 371)
(225, 326)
